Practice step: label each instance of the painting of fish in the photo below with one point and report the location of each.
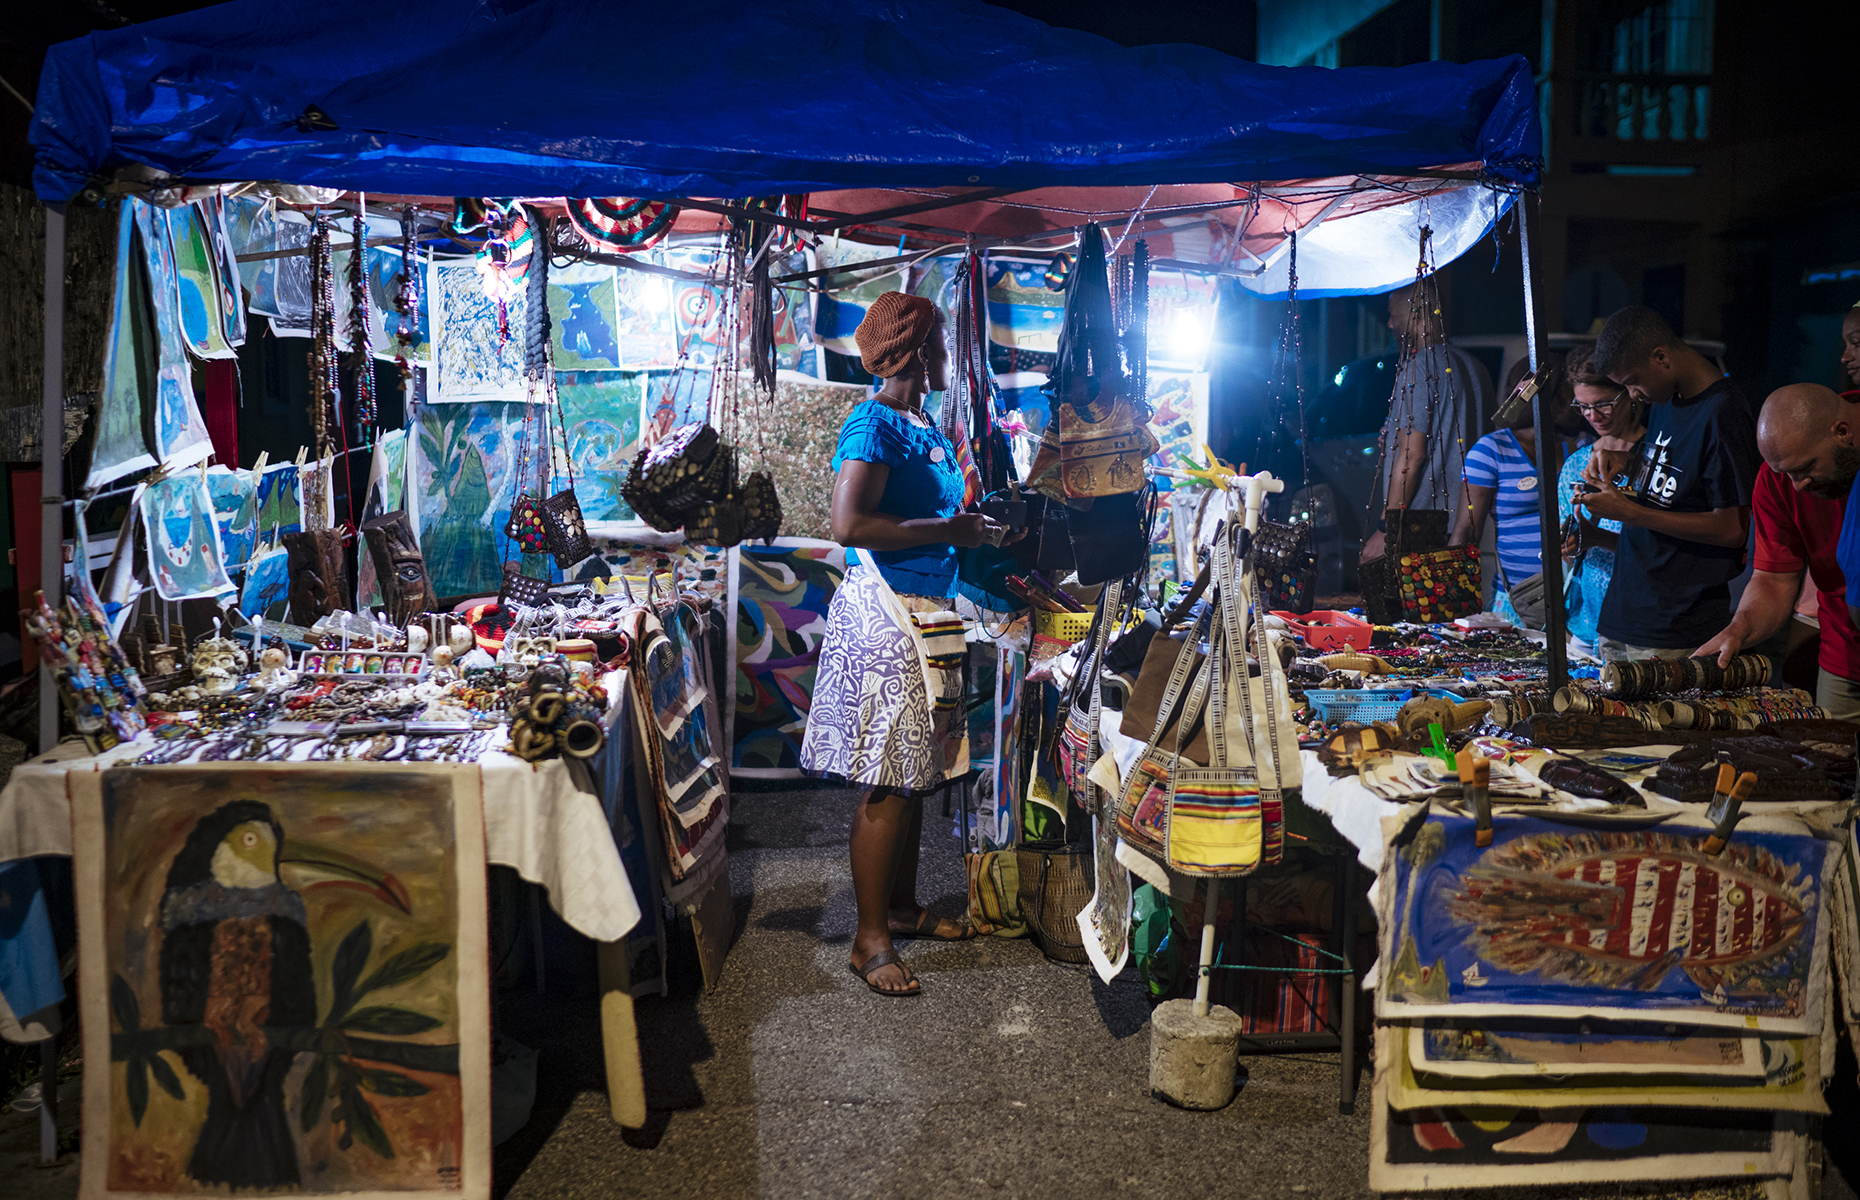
(1557, 920)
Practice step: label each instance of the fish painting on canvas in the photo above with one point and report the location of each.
(1558, 917)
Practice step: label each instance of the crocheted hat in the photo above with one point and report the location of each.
(894, 327)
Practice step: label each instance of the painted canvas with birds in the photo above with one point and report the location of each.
(1558, 919)
(283, 981)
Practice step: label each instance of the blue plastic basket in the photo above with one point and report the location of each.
(1338, 705)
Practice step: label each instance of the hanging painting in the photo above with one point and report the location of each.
(280, 501)
(197, 292)
(280, 288)
(1178, 416)
(129, 368)
(214, 219)
(1024, 314)
(267, 583)
(584, 317)
(185, 559)
(675, 398)
(779, 597)
(235, 511)
(602, 412)
(181, 437)
(283, 983)
(643, 326)
(477, 341)
(697, 306)
(840, 308)
(1554, 920)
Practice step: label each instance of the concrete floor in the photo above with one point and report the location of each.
(1011, 1076)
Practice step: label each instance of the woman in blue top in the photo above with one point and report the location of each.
(897, 508)
(1590, 555)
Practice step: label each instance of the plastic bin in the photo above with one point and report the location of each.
(1362, 705)
(1329, 630)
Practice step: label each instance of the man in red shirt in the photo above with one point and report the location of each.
(1806, 434)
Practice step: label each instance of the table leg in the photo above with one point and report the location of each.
(48, 1100)
(626, 1077)
(1346, 939)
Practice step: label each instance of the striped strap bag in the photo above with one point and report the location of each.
(1215, 824)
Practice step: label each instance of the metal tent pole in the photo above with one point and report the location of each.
(51, 459)
(1549, 466)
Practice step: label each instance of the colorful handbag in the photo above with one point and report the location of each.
(1439, 585)
(1214, 826)
(1076, 748)
(1408, 530)
(1103, 457)
(1285, 564)
(1143, 809)
(525, 526)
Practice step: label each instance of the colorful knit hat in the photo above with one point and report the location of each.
(894, 327)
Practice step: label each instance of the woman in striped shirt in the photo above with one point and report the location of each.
(1501, 480)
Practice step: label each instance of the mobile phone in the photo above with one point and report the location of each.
(1004, 511)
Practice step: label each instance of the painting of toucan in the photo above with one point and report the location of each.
(235, 960)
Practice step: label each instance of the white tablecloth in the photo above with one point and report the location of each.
(535, 819)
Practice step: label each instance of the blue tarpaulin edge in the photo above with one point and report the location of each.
(715, 98)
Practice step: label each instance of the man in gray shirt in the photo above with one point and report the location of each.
(1437, 412)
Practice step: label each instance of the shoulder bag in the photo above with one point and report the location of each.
(1076, 748)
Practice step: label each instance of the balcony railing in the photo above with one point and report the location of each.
(1643, 108)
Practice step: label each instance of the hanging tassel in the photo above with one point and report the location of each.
(762, 315)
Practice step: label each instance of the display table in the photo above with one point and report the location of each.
(536, 820)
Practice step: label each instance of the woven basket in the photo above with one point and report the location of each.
(1055, 883)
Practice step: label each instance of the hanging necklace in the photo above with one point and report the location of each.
(361, 352)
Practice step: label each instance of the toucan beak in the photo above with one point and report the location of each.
(308, 866)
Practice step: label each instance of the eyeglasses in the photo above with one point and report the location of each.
(1602, 409)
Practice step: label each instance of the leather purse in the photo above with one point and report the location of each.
(518, 588)
(1111, 539)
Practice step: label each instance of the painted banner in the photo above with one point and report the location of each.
(185, 559)
(779, 596)
(284, 984)
(1555, 920)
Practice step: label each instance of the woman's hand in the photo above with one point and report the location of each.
(968, 530)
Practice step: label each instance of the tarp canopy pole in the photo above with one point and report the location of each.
(51, 462)
(1549, 467)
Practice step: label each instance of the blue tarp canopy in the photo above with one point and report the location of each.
(719, 98)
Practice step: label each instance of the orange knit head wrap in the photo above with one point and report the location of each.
(894, 327)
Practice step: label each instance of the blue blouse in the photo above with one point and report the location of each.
(924, 482)
(1598, 565)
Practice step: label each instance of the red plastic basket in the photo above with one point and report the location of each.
(1326, 629)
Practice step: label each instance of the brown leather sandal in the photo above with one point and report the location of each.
(927, 922)
(885, 958)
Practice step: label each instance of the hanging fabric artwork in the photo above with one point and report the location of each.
(199, 299)
(235, 511)
(267, 583)
(184, 554)
(477, 350)
(1555, 921)
(585, 318)
(129, 366)
(280, 500)
(621, 225)
(778, 607)
(279, 288)
(181, 437)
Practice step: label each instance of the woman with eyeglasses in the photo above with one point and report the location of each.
(1589, 547)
